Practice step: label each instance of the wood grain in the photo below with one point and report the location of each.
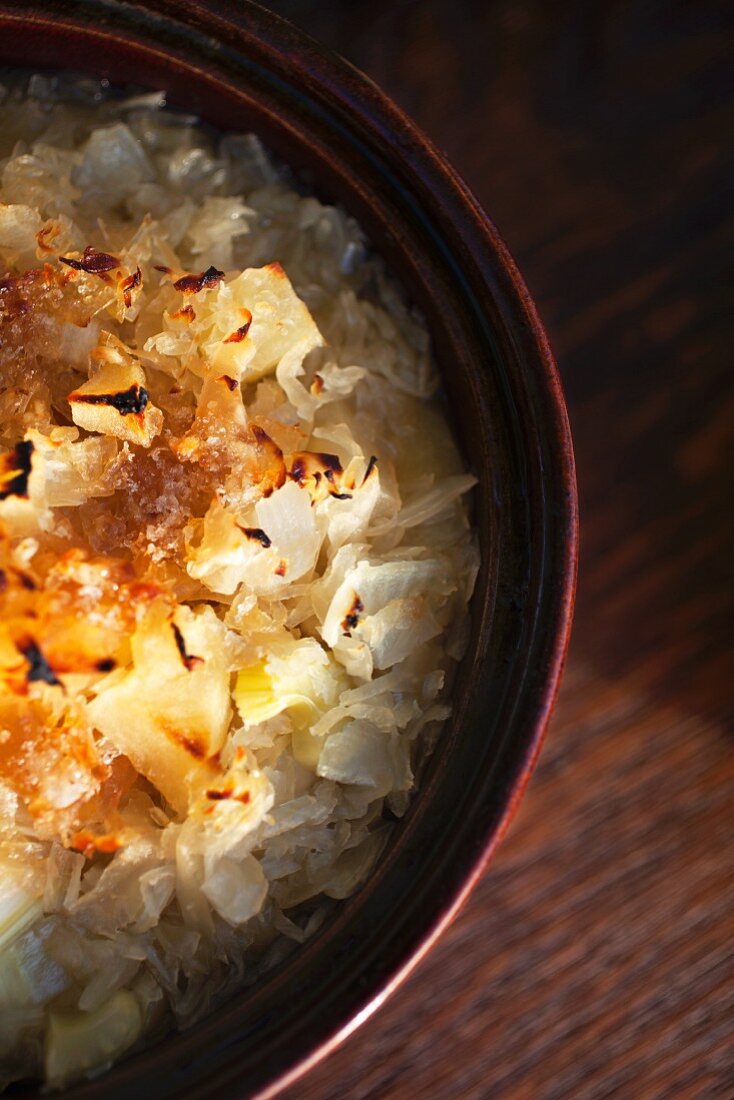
(597, 957)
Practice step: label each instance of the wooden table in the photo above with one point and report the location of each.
(596, 959)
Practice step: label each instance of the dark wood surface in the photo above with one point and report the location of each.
(596, 959)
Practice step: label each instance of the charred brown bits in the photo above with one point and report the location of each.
(92, 261)
(15, 468)
(257, 535)
(40, 669)
(192, 284)
(241, 332)
(351, 619)
(131, 283)
(370, 467)
(132, 400)
(188, 659)
(216, 795)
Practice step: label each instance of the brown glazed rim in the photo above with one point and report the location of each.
(242, 67)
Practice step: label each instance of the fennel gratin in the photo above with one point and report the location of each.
(234, 568)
